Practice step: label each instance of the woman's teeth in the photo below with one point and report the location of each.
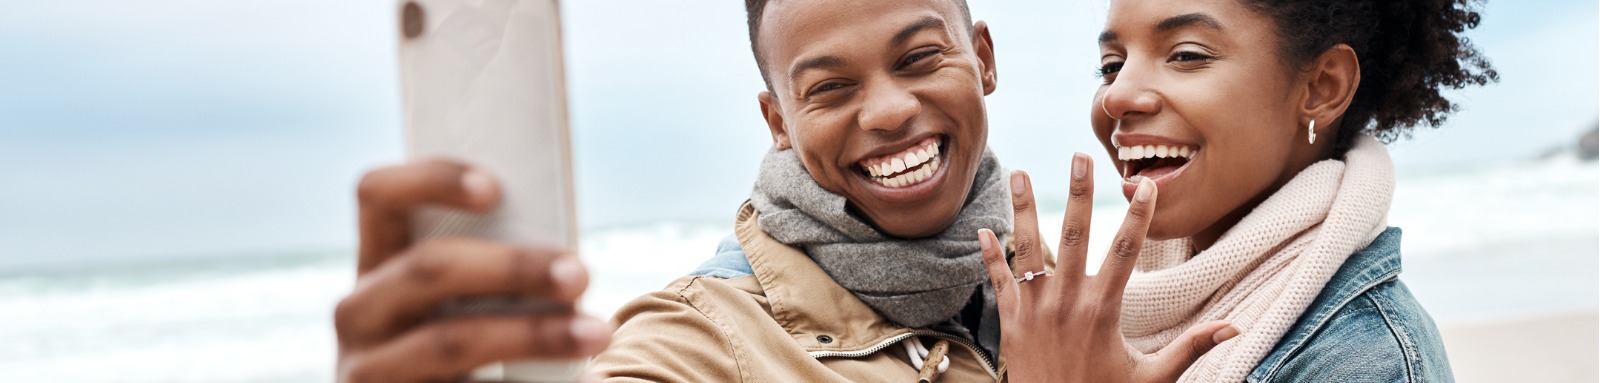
(1140, 152)
(893, 172)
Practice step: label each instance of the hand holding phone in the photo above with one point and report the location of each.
(467, 251)
(388, 328)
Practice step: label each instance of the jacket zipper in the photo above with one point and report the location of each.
(987, 363)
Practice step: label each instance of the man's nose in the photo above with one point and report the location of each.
(888, 107)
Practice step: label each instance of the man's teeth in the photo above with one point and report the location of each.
(906, 161)
(911, 177)
(1140, 152)
(889, 172)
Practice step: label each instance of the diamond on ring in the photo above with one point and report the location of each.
(1028, 276)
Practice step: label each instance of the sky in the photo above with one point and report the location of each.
(176, 128)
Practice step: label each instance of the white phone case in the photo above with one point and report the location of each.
(483, 83)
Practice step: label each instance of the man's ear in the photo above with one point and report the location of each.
(1330, 86)
(983, 45)
(771, 112)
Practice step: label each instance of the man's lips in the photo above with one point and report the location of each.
(911, 166)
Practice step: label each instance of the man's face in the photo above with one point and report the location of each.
(882, 101)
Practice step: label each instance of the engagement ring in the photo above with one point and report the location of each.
(1028, 276)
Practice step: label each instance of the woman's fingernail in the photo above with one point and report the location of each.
(1146, 187)
(590, 334)
(983, 240)
(567, 275)
(1078, 166)
(478, 185)
(1225, 334)
(1017, 183)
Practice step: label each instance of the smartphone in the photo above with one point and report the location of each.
(483, 83)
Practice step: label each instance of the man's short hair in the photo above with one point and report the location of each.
(755, 8)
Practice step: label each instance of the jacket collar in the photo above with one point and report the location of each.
(804, 299)
(1367, 268)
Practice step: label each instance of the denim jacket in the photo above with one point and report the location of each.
(1364, 327)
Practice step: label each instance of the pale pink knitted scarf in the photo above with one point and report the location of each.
(1264, 272)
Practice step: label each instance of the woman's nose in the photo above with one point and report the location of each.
(1130, 96)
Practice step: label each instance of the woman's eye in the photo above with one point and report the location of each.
(1108, 69)
(1186, 56)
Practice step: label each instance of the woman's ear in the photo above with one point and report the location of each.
(1330, 85)
(983, 45)
(771, 112)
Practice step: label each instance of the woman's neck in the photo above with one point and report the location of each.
(1300, 162)
(1205, 238)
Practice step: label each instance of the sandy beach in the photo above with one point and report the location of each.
(1553, 348)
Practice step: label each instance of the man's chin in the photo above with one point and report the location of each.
(914, 223)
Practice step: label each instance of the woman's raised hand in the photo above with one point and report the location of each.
(1066, 327)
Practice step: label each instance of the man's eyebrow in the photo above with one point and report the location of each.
(905, 34)
(1185, 20)
(815, 63)
(923, 24)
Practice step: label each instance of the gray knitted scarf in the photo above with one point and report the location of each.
(913, 282)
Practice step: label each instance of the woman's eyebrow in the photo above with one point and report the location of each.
(1185, 20)
(1107, 37)
(1171, 23)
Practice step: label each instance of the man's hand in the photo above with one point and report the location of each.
(386, 327)
(1066, 327)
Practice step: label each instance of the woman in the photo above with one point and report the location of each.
(1256, 120)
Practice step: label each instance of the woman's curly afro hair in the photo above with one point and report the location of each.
(1410, 50)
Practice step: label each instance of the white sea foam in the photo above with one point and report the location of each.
(1492, 241)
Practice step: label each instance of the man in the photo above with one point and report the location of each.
(857, 257)
(861, 233)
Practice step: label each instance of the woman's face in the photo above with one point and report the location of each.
(1197, 98)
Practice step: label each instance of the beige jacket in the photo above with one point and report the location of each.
(789, 322)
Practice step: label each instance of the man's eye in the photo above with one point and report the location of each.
(824, 87)
(914, 58)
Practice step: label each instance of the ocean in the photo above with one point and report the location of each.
(1507, 240)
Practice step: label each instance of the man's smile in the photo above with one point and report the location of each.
(908, 167)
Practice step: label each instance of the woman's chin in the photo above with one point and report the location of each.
(1161, 231)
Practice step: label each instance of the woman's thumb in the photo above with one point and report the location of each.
(1173, 360)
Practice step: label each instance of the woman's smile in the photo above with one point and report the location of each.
(1160, 159)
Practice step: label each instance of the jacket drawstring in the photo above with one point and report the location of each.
(929, 363)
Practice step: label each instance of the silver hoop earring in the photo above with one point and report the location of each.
(1311, 132)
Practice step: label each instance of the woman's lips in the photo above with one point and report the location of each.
(1160, 163)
